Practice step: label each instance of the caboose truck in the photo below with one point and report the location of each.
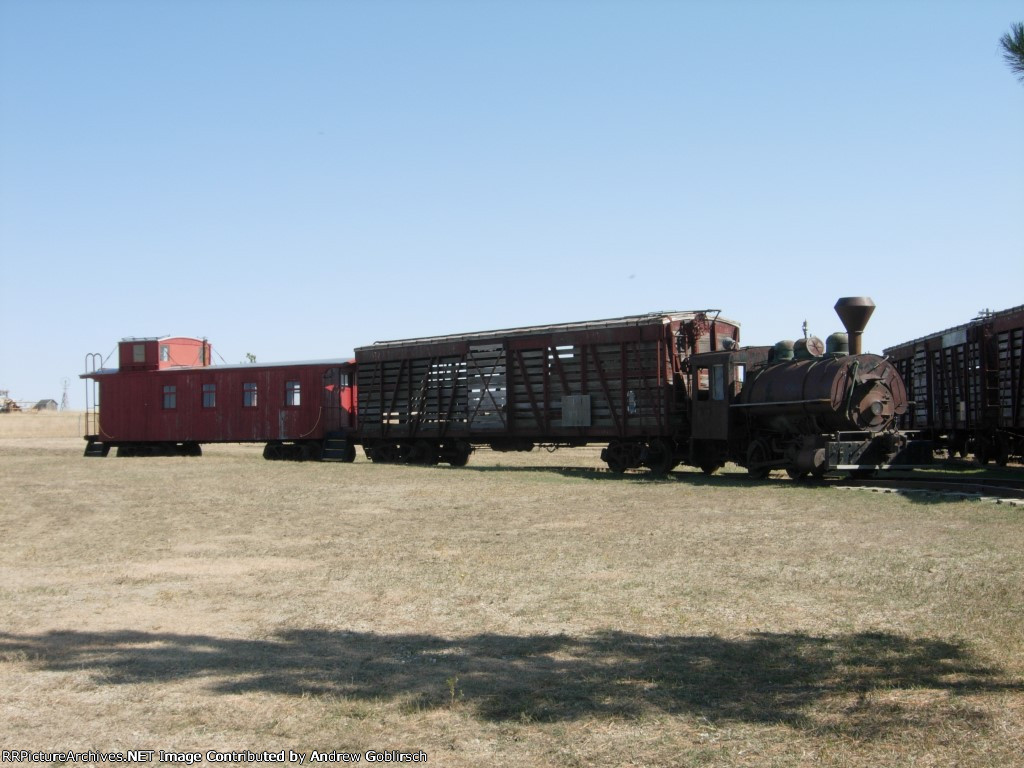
(806, 412)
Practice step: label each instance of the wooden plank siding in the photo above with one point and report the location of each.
(549, 384)
(965, 378)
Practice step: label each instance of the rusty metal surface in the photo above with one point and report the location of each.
(856, 392)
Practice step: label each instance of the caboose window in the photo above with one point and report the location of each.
(165, 353)
(292, 393)
(249, 394)
(170, 397)
(209, 395)
(138, 353)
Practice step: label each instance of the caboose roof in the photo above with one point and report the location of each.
(160, 338)
(215, 368)
(651, 318)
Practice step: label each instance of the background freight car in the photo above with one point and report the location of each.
(967, 385)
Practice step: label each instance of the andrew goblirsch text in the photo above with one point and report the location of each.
(213, 756)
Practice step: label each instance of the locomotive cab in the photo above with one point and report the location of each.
(716, 382)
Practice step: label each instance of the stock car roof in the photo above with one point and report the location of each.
(530, 330)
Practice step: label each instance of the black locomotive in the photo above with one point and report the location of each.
(806, 408)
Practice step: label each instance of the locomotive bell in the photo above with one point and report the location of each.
(854, 312)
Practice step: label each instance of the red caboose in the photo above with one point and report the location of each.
(166, 398)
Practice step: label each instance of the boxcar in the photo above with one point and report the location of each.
(617, 381)
(165, 398)
(966, 385)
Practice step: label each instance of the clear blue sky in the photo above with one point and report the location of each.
(295, 179)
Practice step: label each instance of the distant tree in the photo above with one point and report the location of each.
(1013, 49)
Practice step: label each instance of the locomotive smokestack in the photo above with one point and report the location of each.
(855, 311)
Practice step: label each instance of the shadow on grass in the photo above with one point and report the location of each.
(777, 481)
(692, 477)
(840, 682)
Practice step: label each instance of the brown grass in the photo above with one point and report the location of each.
(526, 610)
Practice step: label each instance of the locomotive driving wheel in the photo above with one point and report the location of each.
(758, 456)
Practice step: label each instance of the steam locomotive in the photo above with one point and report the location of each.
(658, 390)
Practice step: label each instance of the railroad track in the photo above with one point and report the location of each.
(989, 487)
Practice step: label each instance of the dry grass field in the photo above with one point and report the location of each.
(529, 609)
(42, 424)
